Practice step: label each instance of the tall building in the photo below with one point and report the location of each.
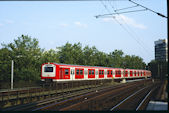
(161, 50)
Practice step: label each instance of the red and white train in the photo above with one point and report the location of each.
(66, 72)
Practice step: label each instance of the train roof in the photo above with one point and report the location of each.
(84, 65)
(91, 66)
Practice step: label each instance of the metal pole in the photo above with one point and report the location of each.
(158, 71)
(12, 74)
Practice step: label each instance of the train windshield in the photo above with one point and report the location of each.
(48, 69)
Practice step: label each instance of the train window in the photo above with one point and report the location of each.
(111, 72)
(125, 72)
(66, 71)
(81, 72)
(92, 72)
(77, 72)
(118, 72)
(71, 71)
(100, 72)
(135, 73)
(108, 72)
(48, 69)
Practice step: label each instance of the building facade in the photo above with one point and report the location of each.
(161, 50)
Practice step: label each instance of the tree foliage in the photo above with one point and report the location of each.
(26, 54)
(159, 69)
(28, 57)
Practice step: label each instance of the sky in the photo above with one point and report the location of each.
(54, 23)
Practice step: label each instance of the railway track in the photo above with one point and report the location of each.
(61, 95)
(132, 102)
(29, 95)
(105, 100)
(63, 98)
(91, 101)
(63, 104)
(99, 101)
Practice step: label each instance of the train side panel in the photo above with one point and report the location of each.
(63, 72)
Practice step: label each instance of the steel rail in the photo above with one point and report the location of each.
(83, 94)
(143, 100)
(68, 96)
(25, 106)
(127, 98)
(74, 93)
(106, 94)
(71, 99)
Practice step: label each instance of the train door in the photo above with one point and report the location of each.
(79, 73)
(64, 73)
(101, 73)
(113, 74)
(122, 73)
(134, 73)
(131, 73)
(72, 73)
(61, 73)
(91, 73)
(97, 73)
(118, 73)
(125, 73)
(109, 73)
(85, 73)
(128, 73)
(105, 73)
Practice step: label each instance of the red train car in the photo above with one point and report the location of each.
(65, 72)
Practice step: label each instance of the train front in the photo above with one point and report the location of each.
(48, 72)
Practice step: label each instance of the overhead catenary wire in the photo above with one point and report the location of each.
(119, 22)
(140, 43)
(120, 13)
(159, 14)
(123, 26)
(126, 8)
(148, 9)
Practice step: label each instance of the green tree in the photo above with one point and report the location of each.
(90, 56)
(117, 58)
(77, 54)
(134, 62)
(50, 56)
(65, 53)
(5, 64)
(70, 54)
(26, 54)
